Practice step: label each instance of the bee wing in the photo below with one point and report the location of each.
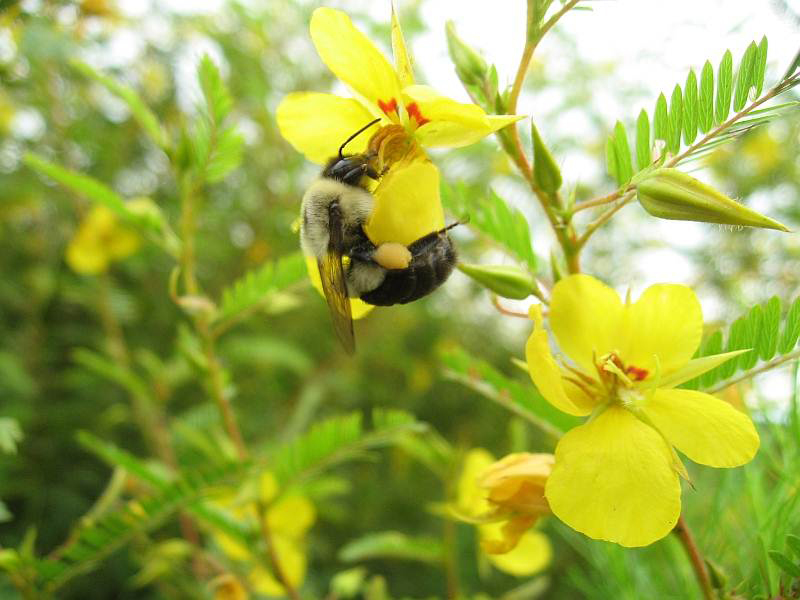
(334, 285)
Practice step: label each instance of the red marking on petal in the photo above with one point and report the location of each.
(414, 113)
(388, 107)
(636, 373)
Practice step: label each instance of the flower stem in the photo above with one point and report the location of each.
(698, 564)
(512, 143)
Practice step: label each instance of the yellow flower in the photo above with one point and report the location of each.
(616, 477)
(504, 499)
(100, 239)
(289, 519)
(316, 124)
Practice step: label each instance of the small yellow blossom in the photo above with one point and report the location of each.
(289, 518)
(228, 587)
(100, 240)
(504, 499)
(616, 477)
(515, 486)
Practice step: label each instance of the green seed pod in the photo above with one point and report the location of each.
(470, 66)
(671, 194)
(505, 281)
(546, 173)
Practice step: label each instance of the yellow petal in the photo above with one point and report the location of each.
(706, 429)
(85, 256)
(358, 307)
(695, 367)
(123, 243)
(470, 497)
(291, 516)
(232, 547)
(402, 59)
(666, 322)
(613, 480)
(503, 537)
(354, 59)
(442, 121)
(545, 372)
(532, 554)
(293, 563)
(318, 124)
(585, 316)
(407, 204)
(267, 487)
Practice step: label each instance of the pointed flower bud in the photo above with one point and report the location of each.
(671, 194)
(505, 281)
(546, 173)
(470, 65)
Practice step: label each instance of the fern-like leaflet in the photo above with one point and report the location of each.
(761, 331)
(702, 107)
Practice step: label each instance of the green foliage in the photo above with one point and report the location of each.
(493, 217)
(339, 439)
(216, 147)
(10, 435)
(785, 563)
(761, 331)
(95, 191)
(255, 287)
(522, 400)
(141, 112)
(689, 111)
(94, 540)
(393, 545)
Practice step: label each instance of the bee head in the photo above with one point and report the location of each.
(351, 168)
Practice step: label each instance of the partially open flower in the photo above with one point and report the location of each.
(515, 486)
(504, 499)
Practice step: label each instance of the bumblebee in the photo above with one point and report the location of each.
(333, 213)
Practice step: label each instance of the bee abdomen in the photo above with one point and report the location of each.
(433, 259)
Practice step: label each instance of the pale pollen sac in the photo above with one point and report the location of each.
(392, 255)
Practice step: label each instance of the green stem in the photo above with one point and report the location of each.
(753, 372)
(695, 558)
(511, 142)
(214, 372)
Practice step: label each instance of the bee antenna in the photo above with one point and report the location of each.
(449, 227)
(355, 135)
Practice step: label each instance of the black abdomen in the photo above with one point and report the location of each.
(432, 260)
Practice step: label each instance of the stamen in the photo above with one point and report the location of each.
(580, 385)
(637, 373)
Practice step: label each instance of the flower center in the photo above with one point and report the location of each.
(392, 144)
(619, 380)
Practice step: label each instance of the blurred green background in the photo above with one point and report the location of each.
(286, 370)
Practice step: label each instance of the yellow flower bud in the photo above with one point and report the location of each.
(671, 194)
(505, 281)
